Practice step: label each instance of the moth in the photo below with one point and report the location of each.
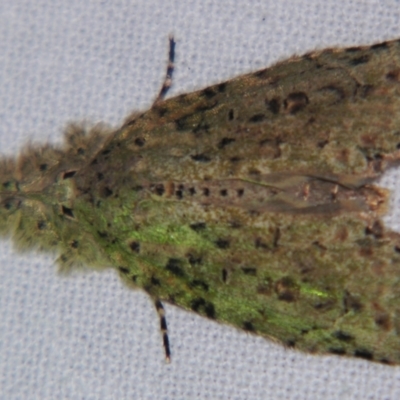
(251, 202)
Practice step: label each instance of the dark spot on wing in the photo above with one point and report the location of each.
(67, 211)
(231, 115)
(198, 226)
(353, 49)
(248, 326)
(364, 353)
(193, 259)
(259, 244)
(205, 107)
(225, 142)
(135, 246)
(343, 336)
(100, 176)
(249, 271)
(179, 194)
(209, 92)
(224, 275)
(319, 245)
(337, 351)
(263, 74)
(277, 236)
(201, 158)
(325, 305)
(295, 102)
(377, 230)
(287, 289)
(365, 90)
(393, 75)
(379, 46)
(174, 266)
(351, 302)
(69, 174)
(106, 192)
(123, 270)
(257, 118)
(383, 320)
(140, 142)
(290, 343)
(155, 281)
(321, 144)
(222, 243)
(202, 306)
(182, 123)
(274, 105)
(41, 225)
(7, 185)
(158, 189)
(221, 87)
(360, 60)
(162, 111)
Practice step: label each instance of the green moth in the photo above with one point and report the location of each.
(250, 202)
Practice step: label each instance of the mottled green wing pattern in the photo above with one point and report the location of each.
(250, 202)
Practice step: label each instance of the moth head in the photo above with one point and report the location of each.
(27, 221)
(37, 196)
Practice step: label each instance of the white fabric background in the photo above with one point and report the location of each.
(87, 336)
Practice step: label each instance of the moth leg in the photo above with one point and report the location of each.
(164, 329)
(170, 69)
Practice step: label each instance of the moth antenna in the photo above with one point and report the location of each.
(164, 329)
(165, 86)
(170, 70)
